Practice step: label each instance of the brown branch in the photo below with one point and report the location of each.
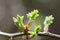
(48, 34)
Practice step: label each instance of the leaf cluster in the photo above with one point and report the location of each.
(18, 21)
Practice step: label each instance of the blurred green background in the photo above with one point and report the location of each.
(10, 8)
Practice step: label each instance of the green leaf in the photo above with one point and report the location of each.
(36, 30)
(33, 34)
(18, 21)
(20, 18)
(32, 15)
(15, 21)
(48, 20)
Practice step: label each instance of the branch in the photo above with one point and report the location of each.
(11, 35)
(48, 34)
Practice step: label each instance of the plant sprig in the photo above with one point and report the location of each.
(36, 31)
(32, 15)
(48, 20)
(18, 21)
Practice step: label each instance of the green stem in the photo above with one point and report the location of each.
(11, 38)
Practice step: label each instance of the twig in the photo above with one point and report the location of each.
(48, 34)
(11, 35)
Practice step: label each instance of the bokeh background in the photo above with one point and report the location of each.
(10, 8)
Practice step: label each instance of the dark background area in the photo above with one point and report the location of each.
(10, 8)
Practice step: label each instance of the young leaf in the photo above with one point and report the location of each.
(18, 21)
(32, 15)
(48, 20)
(36, 30)
(20, 18)
(15, 21)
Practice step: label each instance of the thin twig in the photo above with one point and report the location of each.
(48, 34)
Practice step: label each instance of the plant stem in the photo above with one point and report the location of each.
(11, 38)
(46, 28)
(26, 33)
(25, 37)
